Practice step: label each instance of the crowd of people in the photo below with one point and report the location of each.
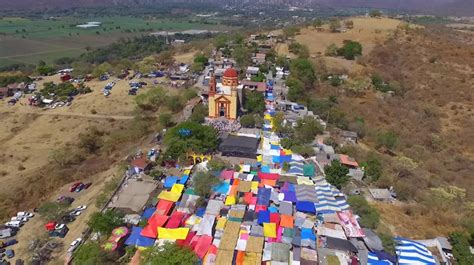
(224, 126)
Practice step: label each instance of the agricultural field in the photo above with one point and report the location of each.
(30, 40)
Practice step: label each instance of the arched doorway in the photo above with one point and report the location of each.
(222, 109)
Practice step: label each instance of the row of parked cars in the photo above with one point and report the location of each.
(79, 186)
(19, 220)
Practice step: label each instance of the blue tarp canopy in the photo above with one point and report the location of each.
(184, 179)
(222, 188)
(263, 217)
(307, 233)
(305, 207)
(170, 181)
(263, 196)
(148, 212)
(135, 239)
(265, 169)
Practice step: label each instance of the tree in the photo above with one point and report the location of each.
(334, 24)
(307, 128)
(254, 102)
(369, 217)
(375, 13)
(296, 91)
(373, 170)
(317, 23)
(248, 121)
(190, 136)
(168, 254)
(461, 251)
(105, 222)
(201, 58)
(388, 243)
(199, 113)
(350, 49)
(302, 69)
(91, 141)
(217, 164)
(166, 58)
(90, 253)
(175, 103)
(336, 174)
(203, 182)
(241, 56)
(166, 119)
(44, 69)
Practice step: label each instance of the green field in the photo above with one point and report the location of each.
(28, 41)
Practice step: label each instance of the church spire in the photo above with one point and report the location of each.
(212, 86)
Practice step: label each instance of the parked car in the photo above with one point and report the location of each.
(74, 244)
(74, 186)
(11, 242)
(75, 213)
(16, 224)
(87, 185)
(81, 208)
(19, 219)
(10, 253)
(80, 187)
(68, 218)
(25, 214)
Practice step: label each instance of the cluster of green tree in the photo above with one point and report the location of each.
(372, 168)
(200, 112)
(260, 77)
(170, 254)
(380, 84)
(254, 102)
(53, 210)
(189, 136)
(105, 222)
(126, 48)
(92, 253)
(251, 121)
(461, 251)
(298, 49)
(157, 97)
(336, 174)
(44, 69)
(300, 137)
(301, 79)
(327, 108)
(20, 67)
(349, 50)
(199, 63)
(369, 217)
(62, 90)
(6, 79)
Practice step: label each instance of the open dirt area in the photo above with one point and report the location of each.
(368, 31)
(186, 58)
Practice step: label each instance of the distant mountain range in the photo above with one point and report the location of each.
(445, 7)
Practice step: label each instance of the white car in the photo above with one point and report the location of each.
(81, 208)
(16, 224)
(59, 226)
(25, 214)
(74, 244)
(75, 213)
(19, 219)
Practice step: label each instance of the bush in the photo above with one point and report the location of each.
(461, 251)
(331, 50)
(105, 222)
(189, 94)
(369, 217)
(169, 254)
(254, 102)
(152, 99)
(388, 243)
(296, 91)
(91, 253)
(203, 183)
(166, 119)
(91, 141)
(302, 69)
(380, 84)
(217, 164)
(175, 103)
(59, 90)
(247, 121)
(52, 210)
(373, 169)
(387, 139)
(199, 113)
(350, 50)
(336, 174)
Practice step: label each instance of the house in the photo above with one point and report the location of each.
(356, 173)
(139, 164)
(349, 136)
(259, 58)
(254, 86)
(348, 161)
(251, 71)
(381, 194)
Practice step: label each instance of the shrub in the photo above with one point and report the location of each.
(166, 119)
(254, 102)
(336, 174)
(91, 141)
(170, 254)
(199, 113)
(203, 183)
(52, 210)
(350, 50)
(369, 217)
(105, 222)
(461, 251)
(248, 121)
(189, 94)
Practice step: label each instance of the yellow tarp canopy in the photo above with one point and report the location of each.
(269, 230)
(169, 196)
(172, 233)
(259, 158)
(221, 223)
(230, 200)
(177, 188)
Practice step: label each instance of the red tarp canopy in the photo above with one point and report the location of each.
(163, 207)
(175, 220)
(186, 242)
(151, 230)
(227, 174)
(271, 176)
(202, 245)
(50, 226)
